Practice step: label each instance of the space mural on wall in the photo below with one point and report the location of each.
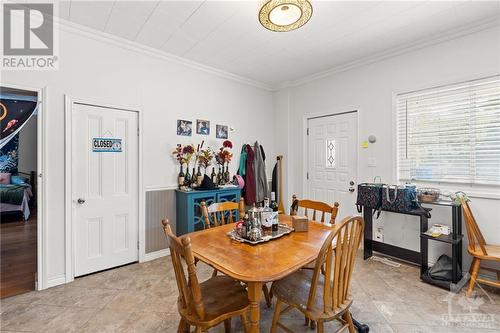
(15, 111)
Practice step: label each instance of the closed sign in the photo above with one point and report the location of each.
(106, 145)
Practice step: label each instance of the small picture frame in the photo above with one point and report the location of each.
(202, 127)
(184, 127)
(221, 132)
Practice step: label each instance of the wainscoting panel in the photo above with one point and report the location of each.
(160, 204)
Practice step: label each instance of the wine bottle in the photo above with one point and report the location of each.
(199, 177)
(213, 176)
(266, 218)
(273, 204)
(187, 178)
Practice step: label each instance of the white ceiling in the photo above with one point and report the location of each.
(227, 35)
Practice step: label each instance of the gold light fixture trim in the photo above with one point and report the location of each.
(285, 15)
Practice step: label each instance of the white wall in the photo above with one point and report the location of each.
(28, 146)
(98, 70)
(369, 89)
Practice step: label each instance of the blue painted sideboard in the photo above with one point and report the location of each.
(188, 206)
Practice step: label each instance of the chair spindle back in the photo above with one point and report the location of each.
(338, 253)
(474, 235)
(315, 206)
(189, 288)
(222, 212)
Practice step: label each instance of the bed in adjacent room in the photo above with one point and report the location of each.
(15, 196)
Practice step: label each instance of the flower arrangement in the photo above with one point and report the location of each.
(205, 157)
(224, 156)
(184, 154)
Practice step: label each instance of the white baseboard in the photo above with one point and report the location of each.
(156, 254)
(56, 281)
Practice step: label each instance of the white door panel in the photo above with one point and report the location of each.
(332, 160)
(106, 221)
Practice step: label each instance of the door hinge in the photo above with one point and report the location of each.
(137, 245)
(307, 176)
(138, 131)
(307, 131)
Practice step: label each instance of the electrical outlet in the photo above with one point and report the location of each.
(379, 234)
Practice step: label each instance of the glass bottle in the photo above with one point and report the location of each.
(187, 178)
(193, 178)
(226, 174)
(274, 207)
(266, 216)
(219, 177)
(180, 177)
(213, 176)
(273, 204)
(199, 177)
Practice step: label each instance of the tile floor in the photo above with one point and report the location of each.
(142, 298)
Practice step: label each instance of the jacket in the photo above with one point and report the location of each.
(261, 189)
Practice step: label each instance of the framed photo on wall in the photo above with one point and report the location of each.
(202, 127)
(221, 132)
(184, 127)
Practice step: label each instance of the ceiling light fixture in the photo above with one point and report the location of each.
(285, 15)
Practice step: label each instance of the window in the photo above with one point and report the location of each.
(330, 153)
(451, 133)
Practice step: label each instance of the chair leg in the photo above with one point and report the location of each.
(306, 321)
(474, 271)
(244, 321)
(266, 295)
(276, 317)
(198, 330)
(227, 325)
(313, 324)
(348, 318)
(214, 273)
(183, 327)
(320, 328)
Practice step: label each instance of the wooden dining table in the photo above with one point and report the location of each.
(261, 263)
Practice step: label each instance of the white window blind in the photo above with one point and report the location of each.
(451, 133)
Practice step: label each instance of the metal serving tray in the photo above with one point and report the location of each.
(283, 229)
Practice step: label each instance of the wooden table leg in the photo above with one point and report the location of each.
(254, 295)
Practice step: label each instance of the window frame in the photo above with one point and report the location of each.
(473, 190)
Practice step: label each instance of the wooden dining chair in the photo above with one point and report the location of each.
(319, 297)
(206, 304)
(215, 215)
(220, 213)
(316, 207)
(479, 250)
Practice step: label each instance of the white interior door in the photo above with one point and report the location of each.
(332, 161)
(105, 189)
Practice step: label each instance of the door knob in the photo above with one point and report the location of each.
(351, 183)
(80, 201)
(351, 189)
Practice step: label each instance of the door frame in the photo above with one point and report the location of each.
(41, 234)
(69, 103)
(305, 142)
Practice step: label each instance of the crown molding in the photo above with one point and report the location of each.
(406, 48)
(146, 50)
(101, 36)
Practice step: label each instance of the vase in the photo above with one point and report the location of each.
(187, 178)
(219, 177)
(181, 177)
(199, 177)
(213, 176)
(227, 175)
